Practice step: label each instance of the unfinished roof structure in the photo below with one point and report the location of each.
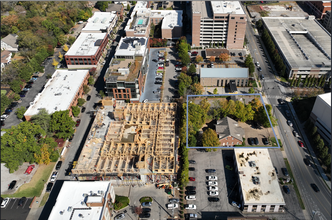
(140, 139)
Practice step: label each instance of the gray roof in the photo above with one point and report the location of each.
(224, 73)
(11, 39)
(114, 7)
(229, 127)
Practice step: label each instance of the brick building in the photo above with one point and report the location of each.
(327, 21)
(86, 50)
(319, 8)
(218, 21)
(229, 132)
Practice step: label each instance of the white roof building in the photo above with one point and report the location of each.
(59, 92)
(87, 44)
(258, 181)
(225, 7)
(100, 22)
(130, 47)
(171, 18)
(83, 200)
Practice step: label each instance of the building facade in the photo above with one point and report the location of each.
(321, 115)
(6, 57)
(319, 8)
(218, 21)
(9, 43)
(222, 76)
(327, 21)
(86, 50)
(229, 132)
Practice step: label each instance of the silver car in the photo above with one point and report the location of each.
(120, 216)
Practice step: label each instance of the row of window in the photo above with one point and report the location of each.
(237, 143)
(222, 17)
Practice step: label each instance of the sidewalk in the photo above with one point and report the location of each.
(36, 210)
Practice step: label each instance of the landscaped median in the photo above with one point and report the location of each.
(121, 202)
(145, 199)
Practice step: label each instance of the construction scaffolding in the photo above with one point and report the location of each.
(138, 140)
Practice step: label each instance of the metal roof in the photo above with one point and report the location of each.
(224, 73)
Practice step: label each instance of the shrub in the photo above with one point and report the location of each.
(145, 199)
(75, 110)
(86, 89)
(80, 102)
(91, 81)
(121, 202)
(20, 112)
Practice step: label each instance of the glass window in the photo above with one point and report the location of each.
(232, 17)
(120, 96)
(241, 17)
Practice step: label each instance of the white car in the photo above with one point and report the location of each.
(190, 197)
(178, 69)
(172, 206)
(213, 183)
(5, 202)
(213, 188)
(161, 55)
(190, 206)
(212, 193)
(160, 65)
(212, 178)
(54, 175)
(4, 116)
(145, 101)
(236, 204)
(257, 63)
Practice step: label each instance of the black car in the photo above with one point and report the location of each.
(192, 161)
(28, 86)
(276, 170)
(286, 189)
(58, 165)
(288, 113)
(190, 188)
(158, 82)
(314, 187)
(22, 201)
(155, 60)
(191, 168)
(285, 171)
(213, 199)
(265, 141)
(88, 98)
(250, 141)
(146, 210)
(210, 170)
(83, 109)
(12, 184)
(14, 104)
(260, 69)
(144, 215)
(49, 187)
(280, 101)
(71, 138)
(307, 162)
(190, 192)
(256, 141)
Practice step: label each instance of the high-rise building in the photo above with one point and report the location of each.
(218, 21)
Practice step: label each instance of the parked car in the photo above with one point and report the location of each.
(78, 122)
(288, 113)
(212, 183)
(49, 187)
(276, 170)
(260, 69)
(161, 59)
(144, 215)
(83, 109)
(146, 204)
(213, 188)
(160, 68)
(280, 101)
(88, 98)
(145, 101)
(192, 162)
(12, 184)
(289, 122)
(172, 206)
(22, 201)
(301, 143)
(314, 187)
(29, 169)
(178, 69)
(119, 216)
(5, 202)
(13, 104)
(4, 116)
(307, 162)
(250, 141)
(236, 204)
(213, 193)
(58, 165)
(192, 179)
(160, 65)
(173, 200)
(8, 110)
(257, 64)
(265, 141)
(155, 60)
(190, 197)
(210, 170)
(194, 53)
(191, 188)
(296, 134)
(285, 171)
(190, 192)
(191, 168)
(190, 215)
(25, 89)
(190, 206)
(146, 210)
(286, 189)
(212, 178)
(213, 199)
(256, 141)
(54, 176)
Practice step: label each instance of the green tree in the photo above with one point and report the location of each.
(317, 138)
(71, 40)
(182, 88)
(298, 82)
(75, 110)
(192, 69)
(210, 138)
(16, 85)
(198, 58)
(197, 88)
(306, 81)
(185, 79)
(102, 94)
(185, 59)
(62, 124)
(293, 81)
(215, 91)
(42, 118)
(5, 101)
(86, 89)
(102, 6)
(91, 81)
(128, 7)
(327, 160)
(251, 90)
(20, 112)
(80, 102)
(192, 141)
(313, 131)
(324, 152)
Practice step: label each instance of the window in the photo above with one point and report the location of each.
(234, 42)
(237, 143)
(232, 17)
(232, 138)
(120, 96)
(232, 143)
(124, 96)
(241, 18)
(223, 144)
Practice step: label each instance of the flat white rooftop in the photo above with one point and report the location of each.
(100, 21)
(326, 98)
(226, 7)
(86, 44)
(132, 46)
(253, 163)
(59, 91)
(172, 18)
(72, 198)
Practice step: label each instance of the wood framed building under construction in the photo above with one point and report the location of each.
(131, 141)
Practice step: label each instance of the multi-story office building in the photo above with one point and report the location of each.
(218, 21)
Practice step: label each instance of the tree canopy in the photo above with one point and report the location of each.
(210, 138)
(62, 124)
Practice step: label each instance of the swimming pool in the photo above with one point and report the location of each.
(140, 21)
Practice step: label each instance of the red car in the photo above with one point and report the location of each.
(78, 122)
(301, 143)
(194, 53)
(192, 179)
(160, 68)
(29, 170)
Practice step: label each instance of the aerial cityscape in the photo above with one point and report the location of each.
(166, 110)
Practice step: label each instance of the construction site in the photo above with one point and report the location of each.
(129, 144)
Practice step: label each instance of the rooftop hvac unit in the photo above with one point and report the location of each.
(69, 208)
(61, 212)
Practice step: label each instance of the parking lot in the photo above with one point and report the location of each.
(226, 184)
(14, 211)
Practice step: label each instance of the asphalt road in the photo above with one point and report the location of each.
(303, 174)
(14, 212)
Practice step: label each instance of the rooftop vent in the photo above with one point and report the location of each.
(61, 212)
(252, 164)
(69, 208)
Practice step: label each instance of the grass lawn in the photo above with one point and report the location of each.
(44, 200)
(36, 185)
(145, 199)
(3, 92)
(121, 202)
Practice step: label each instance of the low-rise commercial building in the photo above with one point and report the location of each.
(101, 22)
(86, 50)
(259, 189)
(124, 79)
(84, 200)
(223, 76)
(303, 44)
(60, 92)
(321, 115)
